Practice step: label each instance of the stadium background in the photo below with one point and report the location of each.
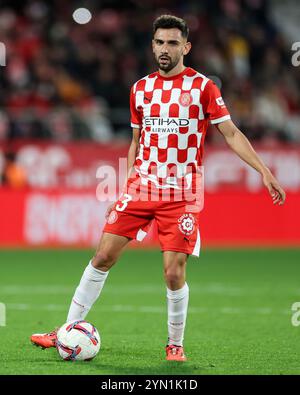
(64, 111)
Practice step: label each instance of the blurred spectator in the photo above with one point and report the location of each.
(94, 114)
(14, 175)
(271, 111)
(239, 55)
(4, 125)
(59, 122)
(67, 81)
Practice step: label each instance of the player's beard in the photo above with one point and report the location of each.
(168, 64)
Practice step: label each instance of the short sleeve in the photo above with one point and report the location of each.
(136, 121)
(213, 104)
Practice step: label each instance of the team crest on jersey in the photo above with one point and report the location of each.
(185, 99)
(113, 216)
(186, 224)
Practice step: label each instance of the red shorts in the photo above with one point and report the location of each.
(178, 227)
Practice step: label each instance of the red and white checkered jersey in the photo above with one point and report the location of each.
(173, 115)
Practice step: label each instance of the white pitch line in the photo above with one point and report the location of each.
(14, 289)
(46, 289)
(145, 309)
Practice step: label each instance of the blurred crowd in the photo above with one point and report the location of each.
(66, 81)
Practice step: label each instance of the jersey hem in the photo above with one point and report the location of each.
(176, 249)
(218, 120)
(119, 234)
(134, 125)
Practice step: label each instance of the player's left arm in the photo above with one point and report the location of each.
(239, 143)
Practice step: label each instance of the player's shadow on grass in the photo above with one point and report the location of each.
(164, 368)
(103, 365)
(143, 363)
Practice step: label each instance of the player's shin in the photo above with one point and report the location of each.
(177, 311)
(87, 292)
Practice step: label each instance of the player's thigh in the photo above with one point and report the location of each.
(109, 249)
(130, 219)
(112, 242)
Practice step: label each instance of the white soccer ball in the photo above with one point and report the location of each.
(78, 341)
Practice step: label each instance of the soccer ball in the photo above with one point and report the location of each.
(78, 341)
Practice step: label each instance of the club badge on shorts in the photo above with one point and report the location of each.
(113, 216)
(186, 224)
(185, 99)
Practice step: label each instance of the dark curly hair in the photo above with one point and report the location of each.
(170, 22)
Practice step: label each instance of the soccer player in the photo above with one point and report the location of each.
(170, 112)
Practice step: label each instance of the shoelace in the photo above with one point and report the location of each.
(53, 333)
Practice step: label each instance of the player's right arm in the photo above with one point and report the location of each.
(133, 150)
(132, 154)
(136, 123)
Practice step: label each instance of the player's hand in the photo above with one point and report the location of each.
(108, 211)
(275, 190)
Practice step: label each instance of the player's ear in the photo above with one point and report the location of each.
(187, 48)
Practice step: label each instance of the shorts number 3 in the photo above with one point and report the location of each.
(124, 202)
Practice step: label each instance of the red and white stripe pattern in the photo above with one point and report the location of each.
(173, 115)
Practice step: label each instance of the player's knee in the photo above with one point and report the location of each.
(173, 276)
(104, 260)
(174, 272)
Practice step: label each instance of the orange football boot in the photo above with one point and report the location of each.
(175, 353)
(44, 340)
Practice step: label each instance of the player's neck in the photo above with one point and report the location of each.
(175, 71)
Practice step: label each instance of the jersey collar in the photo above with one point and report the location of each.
(174, 77)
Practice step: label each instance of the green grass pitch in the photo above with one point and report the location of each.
(239, 318)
